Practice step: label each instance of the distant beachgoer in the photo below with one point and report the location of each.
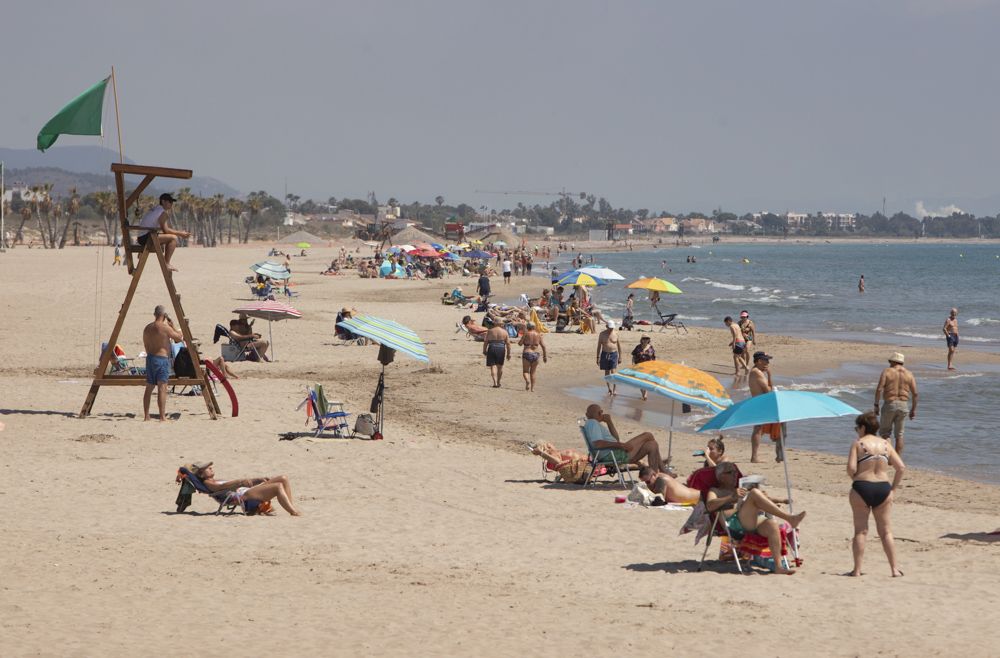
(654, 299)
(253, 343)
(641, 353)
(483, 287)
(737, 343)
(506, 269)
(476, 330)
(608, 348)
(715, 452)
(871, 492)
(159, 218)
(759, 380)
(861, 284)
(897, 388)
(496, 349)
(742, 510)
(628, 319)
(749, 330)
(534, 348)
(156, 337)
(118, 255)
(951, 336)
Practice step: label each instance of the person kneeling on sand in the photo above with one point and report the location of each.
(667, 486)
(259, 489)
(742, 509)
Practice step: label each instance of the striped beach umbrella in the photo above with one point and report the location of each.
(388, 333)
(270, 311)
(578, 278)
(276, 271)
(678, 382)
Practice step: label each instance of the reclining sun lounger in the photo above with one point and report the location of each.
(231, 500)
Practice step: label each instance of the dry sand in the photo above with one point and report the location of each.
(440, 540)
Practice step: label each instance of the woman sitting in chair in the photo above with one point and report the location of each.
(259, 489)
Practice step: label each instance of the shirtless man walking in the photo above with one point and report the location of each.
(898, 389)
(156, 339)
(608, 351)
(496, 348)
(737, 342)
(534, 348)
(759, 380)
(951, 335)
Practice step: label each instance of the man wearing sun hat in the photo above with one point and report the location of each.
(897, 388)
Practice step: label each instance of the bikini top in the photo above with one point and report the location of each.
(871, 455)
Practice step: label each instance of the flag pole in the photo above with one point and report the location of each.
(3, 228)
(118, 125)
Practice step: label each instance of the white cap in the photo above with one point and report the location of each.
(611, 324)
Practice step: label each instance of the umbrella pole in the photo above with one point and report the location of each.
(788, 487)
(670, 440)
(270, 340)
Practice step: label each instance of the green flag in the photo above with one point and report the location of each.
(82, 116)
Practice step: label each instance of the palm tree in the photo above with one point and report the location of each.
(439, 200)
(107, 203)
(72, 209)
(234, 208)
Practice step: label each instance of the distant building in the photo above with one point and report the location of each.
(660, 225)
(698, 226)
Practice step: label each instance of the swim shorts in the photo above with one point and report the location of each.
(952, 340)
(531, 357)
(157, 369)
(609, 360)
(506, 275)
(739, 348)
(495, 354)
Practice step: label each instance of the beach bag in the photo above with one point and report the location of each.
(183, 365)
(365, 425)
(641, 494)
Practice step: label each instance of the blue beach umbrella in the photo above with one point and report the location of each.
(780, 407)
(478, 253)
(439, 247)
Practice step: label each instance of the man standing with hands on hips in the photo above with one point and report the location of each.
(898, 389)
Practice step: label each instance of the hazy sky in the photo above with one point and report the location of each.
(664, 104)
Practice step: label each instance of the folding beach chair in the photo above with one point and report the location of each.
(752, 546)
(461, 328)
(236, 350)
(231, 500)
(121, 364)
(669, 320)
(614, 462)
(262, 293)
(328, 415)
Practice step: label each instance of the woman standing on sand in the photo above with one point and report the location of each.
(868, 465)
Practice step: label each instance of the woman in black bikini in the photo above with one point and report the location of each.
(868, 465)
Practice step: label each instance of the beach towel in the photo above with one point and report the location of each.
(539, 327)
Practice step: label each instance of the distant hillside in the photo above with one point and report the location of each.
(88, 168)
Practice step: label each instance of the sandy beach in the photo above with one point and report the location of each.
(440, 540)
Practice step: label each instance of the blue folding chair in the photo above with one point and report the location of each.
(613, 460)
(329, 416)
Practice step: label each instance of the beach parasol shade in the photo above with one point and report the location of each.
(425, 253)
(577, 278)
(302, 245)
(439, 247)
(270, 311)
(388, 333)
(653, 283)
(677, 382)
(780, 407)
(478, 253)
(604, 273)
(274, 271)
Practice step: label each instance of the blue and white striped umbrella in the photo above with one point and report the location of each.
(388, 333)
(275, 271)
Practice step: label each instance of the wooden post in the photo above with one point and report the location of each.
(153, 245)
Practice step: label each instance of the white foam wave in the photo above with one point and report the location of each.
(835, 389)
(725, 286)
(693, 317)
(965, 375)
(977, 322)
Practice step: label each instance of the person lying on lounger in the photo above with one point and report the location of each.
(473, 328)
(742, 510)
(260, 489)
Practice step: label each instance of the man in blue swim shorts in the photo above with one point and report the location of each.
(496, 349)
(156, 339)
(951, 336)
(608, 351)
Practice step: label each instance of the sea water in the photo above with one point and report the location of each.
(810, 290)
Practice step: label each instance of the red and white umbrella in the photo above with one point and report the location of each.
(270, 311)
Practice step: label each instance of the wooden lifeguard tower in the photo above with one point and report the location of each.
(153, 246)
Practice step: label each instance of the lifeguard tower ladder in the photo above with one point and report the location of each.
(153, 246)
